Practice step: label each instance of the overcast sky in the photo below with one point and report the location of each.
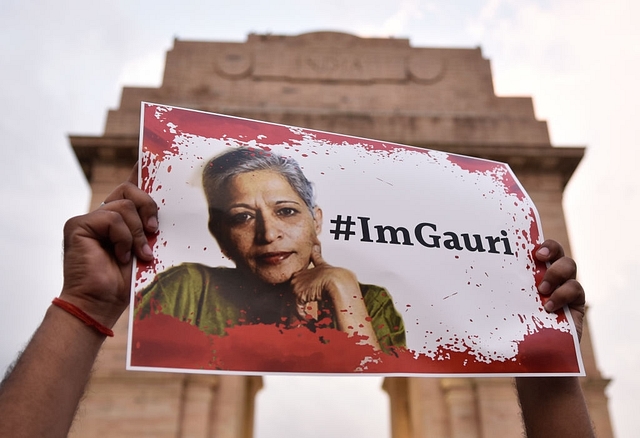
(64, 63)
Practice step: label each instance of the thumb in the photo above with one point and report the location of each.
(316, 255)
(133, 176)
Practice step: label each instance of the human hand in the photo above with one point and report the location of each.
(98, 249)
(323, 281)
(559, 285)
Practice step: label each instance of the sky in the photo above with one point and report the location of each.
(64, 63)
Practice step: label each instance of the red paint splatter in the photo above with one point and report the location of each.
(534, 233)
(164, 341)
(148, 267)
(540, 268)
(215, 126)
(502, 173)
(157, 138)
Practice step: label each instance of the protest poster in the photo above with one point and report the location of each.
(403, 261)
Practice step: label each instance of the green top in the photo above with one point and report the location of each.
(214, 299)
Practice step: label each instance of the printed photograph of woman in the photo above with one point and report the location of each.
(262, 213)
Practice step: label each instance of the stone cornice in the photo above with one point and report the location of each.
(521, 158)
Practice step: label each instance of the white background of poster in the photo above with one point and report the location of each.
(480, 302)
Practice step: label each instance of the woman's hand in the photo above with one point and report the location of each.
(323, 280)
(340, 285)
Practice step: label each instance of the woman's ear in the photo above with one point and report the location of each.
(317, 218)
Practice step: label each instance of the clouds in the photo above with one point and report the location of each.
(397, 23)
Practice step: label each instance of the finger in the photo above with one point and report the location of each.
(128, 213)
(558, 273)
(549, 251)
(145, 205)
(316, 255)
(570, 294)
(306, 287)
(120, 237)
(303, 290)
(104, 226)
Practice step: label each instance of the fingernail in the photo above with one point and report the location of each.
(544, 287)
(549, 306)
(126, 257)
(152, 223)
(543, 252)
(146, 250)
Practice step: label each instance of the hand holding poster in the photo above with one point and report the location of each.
(283, 249)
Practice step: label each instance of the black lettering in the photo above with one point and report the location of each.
(492, 244)
(453, 242)
(467, 243)
(393, 234)
(505, 240)
(364, 226)
(434, 239)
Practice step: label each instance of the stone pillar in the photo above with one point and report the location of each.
(232, 411)
(429, 407)
(498, 407)
(462, 404)
(197, 400)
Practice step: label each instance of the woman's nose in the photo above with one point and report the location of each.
(269, 228)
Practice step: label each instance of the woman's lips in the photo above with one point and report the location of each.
(273, 258)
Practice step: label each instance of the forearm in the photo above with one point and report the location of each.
(553, 406)
(352, 318)
(41, 394)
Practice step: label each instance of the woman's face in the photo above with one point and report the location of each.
(266, 227)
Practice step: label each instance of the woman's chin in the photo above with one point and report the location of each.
(277, 274)
(274, 278)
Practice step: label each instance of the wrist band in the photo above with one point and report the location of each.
(75, 311)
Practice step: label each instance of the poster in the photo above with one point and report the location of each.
(288, 250)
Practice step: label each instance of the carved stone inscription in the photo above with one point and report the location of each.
(330, 65)
(234, 63)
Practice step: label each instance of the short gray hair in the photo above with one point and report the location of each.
(223, 167)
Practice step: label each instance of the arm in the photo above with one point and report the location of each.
(555, 406)
(40, 395)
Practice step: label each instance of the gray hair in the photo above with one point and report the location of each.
(222, 168)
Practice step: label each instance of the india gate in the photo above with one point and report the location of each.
(385, 89)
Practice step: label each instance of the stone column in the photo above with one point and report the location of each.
(461, 401)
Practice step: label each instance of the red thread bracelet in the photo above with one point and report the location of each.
(75, 311)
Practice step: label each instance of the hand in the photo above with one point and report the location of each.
(559, 284)
(98, 250)
(341, 287)
(323, 281)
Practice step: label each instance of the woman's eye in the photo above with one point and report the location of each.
(240, 218)
(287, 211)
